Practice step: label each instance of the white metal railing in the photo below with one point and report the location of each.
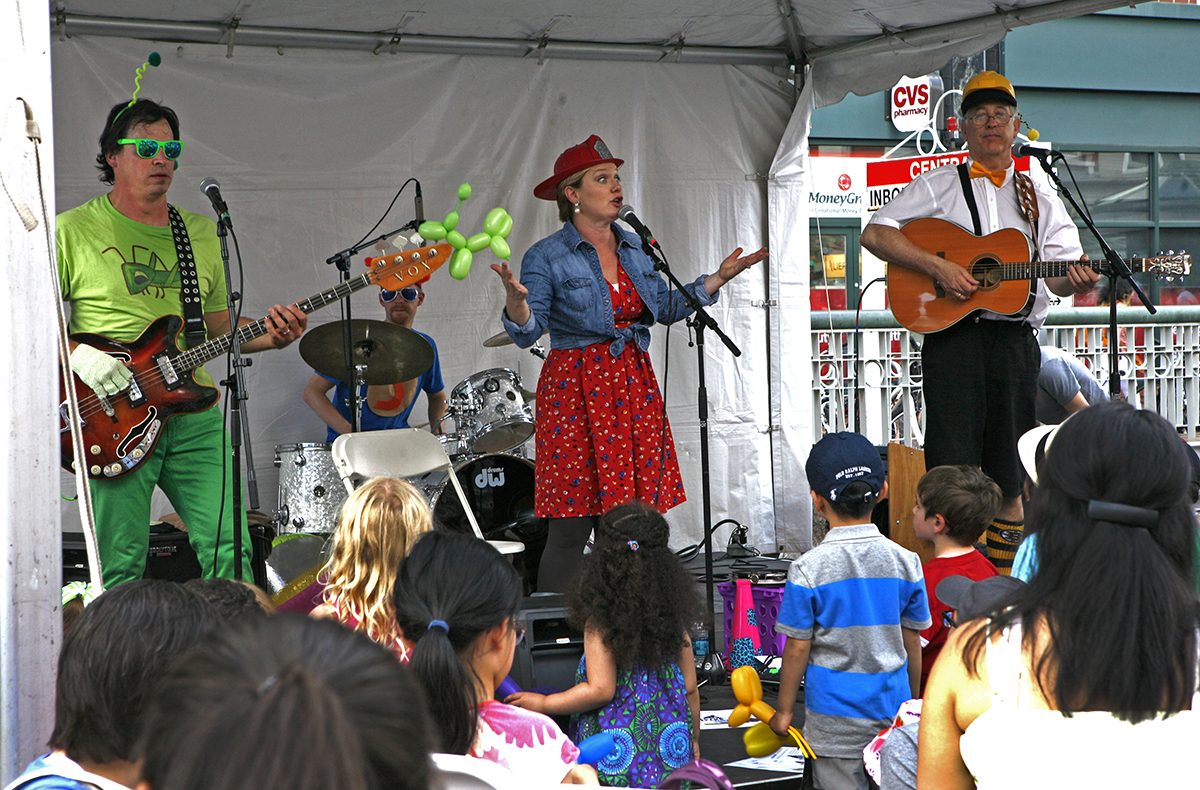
(869, 381)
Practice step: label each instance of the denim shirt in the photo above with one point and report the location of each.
(569, 296)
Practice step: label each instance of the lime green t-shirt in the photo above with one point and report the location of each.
(121, 275)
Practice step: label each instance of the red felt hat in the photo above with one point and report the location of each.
(589, 153)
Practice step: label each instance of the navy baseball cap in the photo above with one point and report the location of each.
(840, 459)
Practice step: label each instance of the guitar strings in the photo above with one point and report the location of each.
(190, 359)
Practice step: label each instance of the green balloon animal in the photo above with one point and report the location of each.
(496, 227)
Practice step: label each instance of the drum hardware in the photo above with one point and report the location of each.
(310, 490)
(490, 411)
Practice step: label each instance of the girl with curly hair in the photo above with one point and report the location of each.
(637, 678)
(378, 525)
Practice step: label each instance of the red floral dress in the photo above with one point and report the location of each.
(602, 436)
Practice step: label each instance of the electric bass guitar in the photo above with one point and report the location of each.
(120, 431)
(999, 262)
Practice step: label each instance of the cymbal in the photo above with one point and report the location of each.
(528, 395)
(498, 340)
(389, 352)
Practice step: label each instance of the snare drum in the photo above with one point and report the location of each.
(495, 417)
(310, 491)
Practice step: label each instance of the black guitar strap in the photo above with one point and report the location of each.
(964, 178)
(194, 332)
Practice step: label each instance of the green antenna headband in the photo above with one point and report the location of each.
(153, 60)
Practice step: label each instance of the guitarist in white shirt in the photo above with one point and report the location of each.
(118, 267)
(980, 374)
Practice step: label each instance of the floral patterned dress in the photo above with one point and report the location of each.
(650, 721)
(602, 435)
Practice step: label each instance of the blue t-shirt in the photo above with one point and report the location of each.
(851, 596)
(430, 382)
(56, 771)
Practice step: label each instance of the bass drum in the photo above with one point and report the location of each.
(499, 489)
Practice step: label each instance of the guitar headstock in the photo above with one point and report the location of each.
(1167, 265)
(401, 269)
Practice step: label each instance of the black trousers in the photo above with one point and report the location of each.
(565, 541)
(979, 385)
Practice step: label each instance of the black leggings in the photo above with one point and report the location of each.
(565, 542)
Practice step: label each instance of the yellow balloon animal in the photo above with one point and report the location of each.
(760, 739)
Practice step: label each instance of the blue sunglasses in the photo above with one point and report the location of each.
(410, 294)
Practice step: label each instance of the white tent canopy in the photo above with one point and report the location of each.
(311, 114)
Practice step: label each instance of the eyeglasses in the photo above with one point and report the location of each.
(982, 117)
(148, 149)
(410, 294)
(519, 629)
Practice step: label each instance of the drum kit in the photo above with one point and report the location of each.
(493, 420)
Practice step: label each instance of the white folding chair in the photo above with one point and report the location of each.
(400, 452)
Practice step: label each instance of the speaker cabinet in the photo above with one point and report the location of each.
(549, 655)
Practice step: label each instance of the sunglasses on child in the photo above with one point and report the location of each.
(148, 149)
(410, 294)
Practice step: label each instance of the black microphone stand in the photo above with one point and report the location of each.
(699, 321)
(342, 261)
(1117, 268)
(239, 429)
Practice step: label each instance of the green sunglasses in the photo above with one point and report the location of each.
(148, 149)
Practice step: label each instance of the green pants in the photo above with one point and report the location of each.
(187, 465)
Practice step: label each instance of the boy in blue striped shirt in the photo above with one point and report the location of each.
(852, 610)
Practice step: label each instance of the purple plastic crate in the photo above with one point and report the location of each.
(767, 600)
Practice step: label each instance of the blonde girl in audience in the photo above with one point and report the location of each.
(458, 599)
(378, 525)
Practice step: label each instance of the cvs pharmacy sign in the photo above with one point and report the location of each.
(911, 101)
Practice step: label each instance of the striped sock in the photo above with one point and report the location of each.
(1003, 538)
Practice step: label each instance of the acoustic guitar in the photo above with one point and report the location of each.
(999, 262)
(120, 431)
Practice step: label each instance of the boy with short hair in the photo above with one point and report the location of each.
(955, 504)
(852, 611)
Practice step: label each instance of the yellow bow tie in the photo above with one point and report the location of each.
(995, 176)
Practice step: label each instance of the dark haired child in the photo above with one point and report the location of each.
(637, 678)
(954, 506)
(286, 702)
(111, 661)
(457, 598)
(852, 610)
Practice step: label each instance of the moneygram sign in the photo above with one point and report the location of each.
(837, 186)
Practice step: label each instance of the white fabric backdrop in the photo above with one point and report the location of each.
(309, 147)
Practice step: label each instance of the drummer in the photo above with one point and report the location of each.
(384, 406)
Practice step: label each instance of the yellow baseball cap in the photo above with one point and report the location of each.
(987, 86)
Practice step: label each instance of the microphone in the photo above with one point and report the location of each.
(212, 189)
(418, 207)
(626, 213)
(1043, 155)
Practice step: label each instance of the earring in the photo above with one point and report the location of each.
(576, 208)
